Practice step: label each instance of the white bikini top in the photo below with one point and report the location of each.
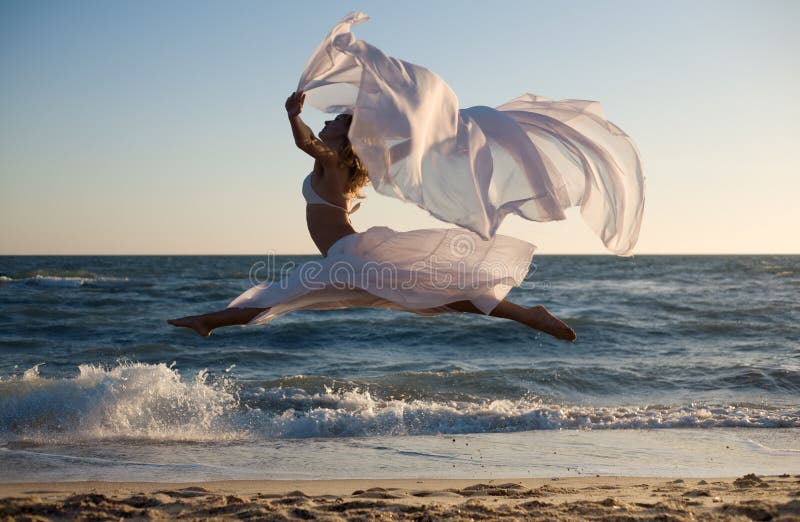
(312, 198)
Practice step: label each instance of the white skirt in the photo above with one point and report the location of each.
(419, 271)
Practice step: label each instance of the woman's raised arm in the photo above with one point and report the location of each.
(304, 137)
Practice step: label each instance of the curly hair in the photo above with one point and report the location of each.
(358, 175)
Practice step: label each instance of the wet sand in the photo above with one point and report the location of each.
(749, 497)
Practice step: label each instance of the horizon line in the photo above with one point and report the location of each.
(610, 254)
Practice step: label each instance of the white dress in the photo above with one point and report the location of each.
(471, 167)
(419, 271)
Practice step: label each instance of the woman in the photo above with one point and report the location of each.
(337, 177)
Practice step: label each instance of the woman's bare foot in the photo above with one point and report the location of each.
(194, 322)
(541, 319)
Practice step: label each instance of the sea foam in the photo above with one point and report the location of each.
(154, 402)
(131, 400)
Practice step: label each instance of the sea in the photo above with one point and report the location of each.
(683, 366)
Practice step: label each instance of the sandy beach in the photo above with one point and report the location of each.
(749, 497)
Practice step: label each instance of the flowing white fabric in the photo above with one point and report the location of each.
(532, 156)
(419, 271)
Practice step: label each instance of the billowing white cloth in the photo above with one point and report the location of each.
(419, 271)
(532, 156)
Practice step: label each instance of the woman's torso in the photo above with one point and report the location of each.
(327, 224)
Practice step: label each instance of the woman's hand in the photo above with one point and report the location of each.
(294, 103)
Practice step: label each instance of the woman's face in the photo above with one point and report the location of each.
(335, 129)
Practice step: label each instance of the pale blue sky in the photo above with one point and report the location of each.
(158, 127)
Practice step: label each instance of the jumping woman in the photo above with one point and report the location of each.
(403, 283)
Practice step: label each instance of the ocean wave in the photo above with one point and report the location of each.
(59, 278)
(357, 413)
(130, 400)
(153, 402)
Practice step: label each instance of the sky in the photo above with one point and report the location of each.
(154, 127)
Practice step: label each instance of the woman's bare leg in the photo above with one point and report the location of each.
(535, 317)
(206, 323)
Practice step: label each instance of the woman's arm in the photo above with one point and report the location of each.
(303, 136)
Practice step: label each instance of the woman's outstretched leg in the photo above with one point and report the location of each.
(537, 317)
(206, 323)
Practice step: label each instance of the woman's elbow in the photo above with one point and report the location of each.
(301, 143)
